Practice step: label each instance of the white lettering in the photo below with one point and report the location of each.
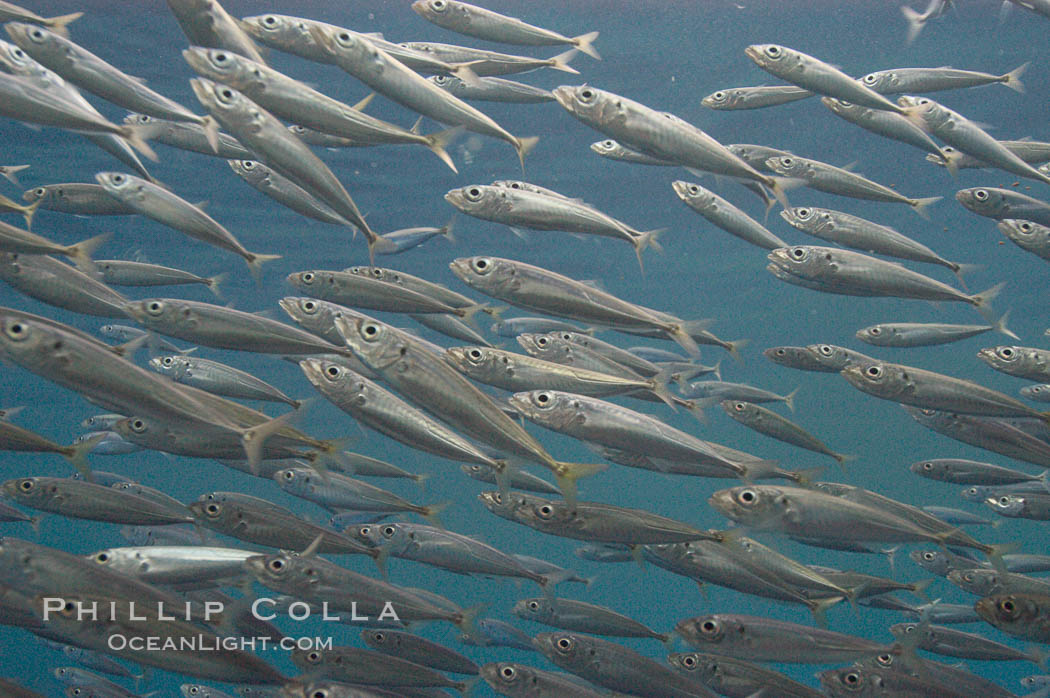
(258, 602)
(52, 603)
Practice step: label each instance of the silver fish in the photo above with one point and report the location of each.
(1029, 236)
(736, 677)
(14, 239)
(925, 334)
(754, 97)
(481, 23)
(86, 500)
(490, 89)
(418, 649)
(490, 63)
(78, 198)
(920, 80)
(523, 681)
(772, 424)
(206, 23)
(725, 215)
(569, 614)
(56, 283)
(186, 136)
(615, 151)
(175, 564)
(285, 192)
(121, 272)
(60, 25)
(887, 124)
(338, 492)
(1024, 362)
(218, 378)
(917, 20)
(1004, 203)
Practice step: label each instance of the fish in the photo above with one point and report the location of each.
(286, 192)
(958, 131)
(174, 564)
(736, 677)
(925, 334)
(822, 358)
(889, 125)
(419, 650)
(1029, 363)
(60, 25)
(491, 89)
(206, 23)
(568, 614)
(337, 492)
(87, 500)
(921, 80)
(735, 98)
(615, 151)
(1035, 506)
(1041, 393)
(218, 378)
(486, 63)
(838, 180)
(1029, 236)
(521, 680)
(1030, 151)
(482, 23)
(160, 204)
(187, 136)
(725, 215)
(770, 423)
(1019, 615)
(77, 198)
(848, 681)
(1004, 204)
(119, 272)
(968, 472)
(833, 270)
(16, 240)
(991, 434)
(58, 284)
(815, 75)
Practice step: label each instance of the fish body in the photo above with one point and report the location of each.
(725, 215)
(884, 123)
(1004, 204)
(922, 334)
(837, 180)
(86, 500)
(218, 378)
(770, 423)
(921, 80)
(1029, 363)
(418, 649)
(121, 272)
(206, 23)
(487, 63)
(57, 283)
(735, 98)
(81, 199)
(491, 89)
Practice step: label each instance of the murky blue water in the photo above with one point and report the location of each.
(667, 55)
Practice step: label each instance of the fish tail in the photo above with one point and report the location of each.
(982, 301)
(430, 513)
(254, 439)
(421, 480)
(648, 238)
(776, 186)
(802, 478)
(365, 101)
(681, 333)
(950, 163)
(561, 61)
(842, 459)
(1000, 326)
(82, 252)
(568, 473)
(34, 521)
(919, 205)
(211, 131)
(1038, 656)
(77, 456)
(136, 137)
(213, 284)
(446, 231)
(820, 607)
(919, 588)
(734, 348)
(10, 412)
(694, 408)
(464, 72)
(28, 211)
(60, 24)
(255, 262)
(438, 142)
(789, 399)
(9, 174)
(466, 618)
(585, 42)
(660, 389)
(995, 553)
(380, 244)
(915, 23)
(758, 469)
(891, 557)
(1013, 78)
(961, 269)
(523, 146)
(667, 639)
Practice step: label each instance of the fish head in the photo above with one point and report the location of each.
(723, 99)
(532, 609)
(167, 365)
(325, 374)
(948, 156)
(225, 103)
(221, 65)
(275, 571)
(1003, 358)
(121, 185)
(306, 311)
(879, 81)
(274, 30)
(505, 507)
(923, 111)
(379, 638)
(28, 341)
(808, 219)
(549, 408)
(477, 362)
(1012, 505)
(840, 106)
(788, 165)
(24, 489)
(707, 630)
(933, 561)
(849, 681)
(594, 107)
(506, 677)
(36, 194)
(478, 199)
(751, 505)
(308, 660)
(606, 148)
(1036, 392)
(378, 345)
(293, 479)
(982, 201)
(773, 58)
(32, 38)
(974, 581)
(562, 648)
(805, 261)
(793, 357)
(1007, 610)
(249, 170)
(548, 345)
(442, 12)
(366, 534)
(345, 45)
(879, 378)
(694, 195)
(1018, 231)
(448, 83)
(740, 410)
(486, 274)
(16, 61)
(930, 468)
(157, 312)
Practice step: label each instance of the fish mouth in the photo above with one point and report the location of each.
(780, 257)
(962, 196)
(455, 197)
(313, 369)
(722, 502)
(520, 402)
(134, 310)
(456, 356)
(986, 609)
(986, 355)
(753, 52)
(680, 187)
(203, 89)
(460, 267)
(563, 94)
(544, 643)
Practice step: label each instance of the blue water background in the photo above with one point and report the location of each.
(667, 55)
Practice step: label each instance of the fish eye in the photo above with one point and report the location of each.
(389, 531)
(440, 79)
(709, 627)
(332, 371)
(313, 657)
(787, 162)
(248, 165)
(497, 497)
(269, 20)
(748, 497)
(167, 361)
(1006, 353)
(288, 475)
(221, 57)
(16, 331)
(379, 637)
(36, 34)
(1025, 227)
(1008, 606)
(213, 509)
(693, 189)
(873, 371)
(26, 485)
(799, 253)
(773, 51)
(482, 265)
(508, 673)
(309, 307)
(365, 530)
(803, 213)
(689, 661)
(473, 194)
(871, 79)
(587, 95)
(927, 466)
(875, 331)
(307, 277)
(534, 605)
(154, 308)
(980, 195)
(102, 558)
(370, 330)
(781, 352)
(194, 690)
(825, 349)
(438, 5)
(851, 679)
(564, 644)
(276, 564)
(226, 95)
(543, 398)
(474, 354)
(137, 425)
(1003, 501)
(118, 179)
(719, 96)
(542, 342)
(739, 406)
(885, 659)
(40, 191)
(546, 511)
